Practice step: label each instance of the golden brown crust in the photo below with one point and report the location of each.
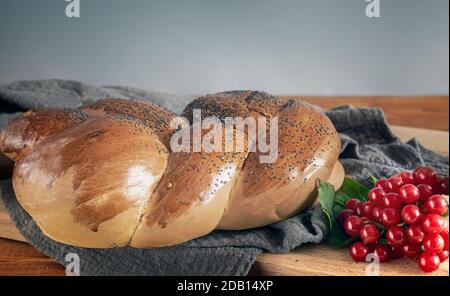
(104, 176)
(235, 103)
(203, 176)
(93, 188)
(155, 117)
(195, 187)
(23, 132)
(308, 149)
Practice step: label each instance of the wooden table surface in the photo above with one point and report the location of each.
(20, 258)
(428, 112)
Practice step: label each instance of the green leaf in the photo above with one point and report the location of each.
(340, 198)
(326, 199)
(372, 179)
(351, 189)
(354, 188)
(337, 209)
(337, 237)
(340, 239)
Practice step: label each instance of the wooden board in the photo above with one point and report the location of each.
(21, 258)
(18, 258)
(429, 112)
(321, 260)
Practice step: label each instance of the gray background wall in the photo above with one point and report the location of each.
(326, 47)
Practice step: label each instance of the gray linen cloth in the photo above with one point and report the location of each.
(368, 146)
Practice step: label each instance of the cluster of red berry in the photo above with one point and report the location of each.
(406, 211)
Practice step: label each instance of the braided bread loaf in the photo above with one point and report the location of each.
(103, 175)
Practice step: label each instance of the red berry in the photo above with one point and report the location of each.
(382, 183)
(382, 252)
(433, 223)
(415, 233)
(436, 204)
(389, 217)
(444, 235)
(359, 209)
(444, 184)
(433, 243)
(407, 177)
(394, 183)
(441, 187)
(396, 236)
(409, 193)
(395, 252)
(376, 195)
(443, 256)
(366, 209)
(425, 192)
(425, 175)
(393, 200)
(371, 247)
(358, 251)
(352, 203)
(369, 233)
(428, 263)
(376, 213)
(445, 226)
(353, 225)
(343, 216)
(411, 250)
(410, 214)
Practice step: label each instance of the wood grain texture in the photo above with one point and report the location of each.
(18, 258)
(322, 261)
(437, 141)
(430, 112)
